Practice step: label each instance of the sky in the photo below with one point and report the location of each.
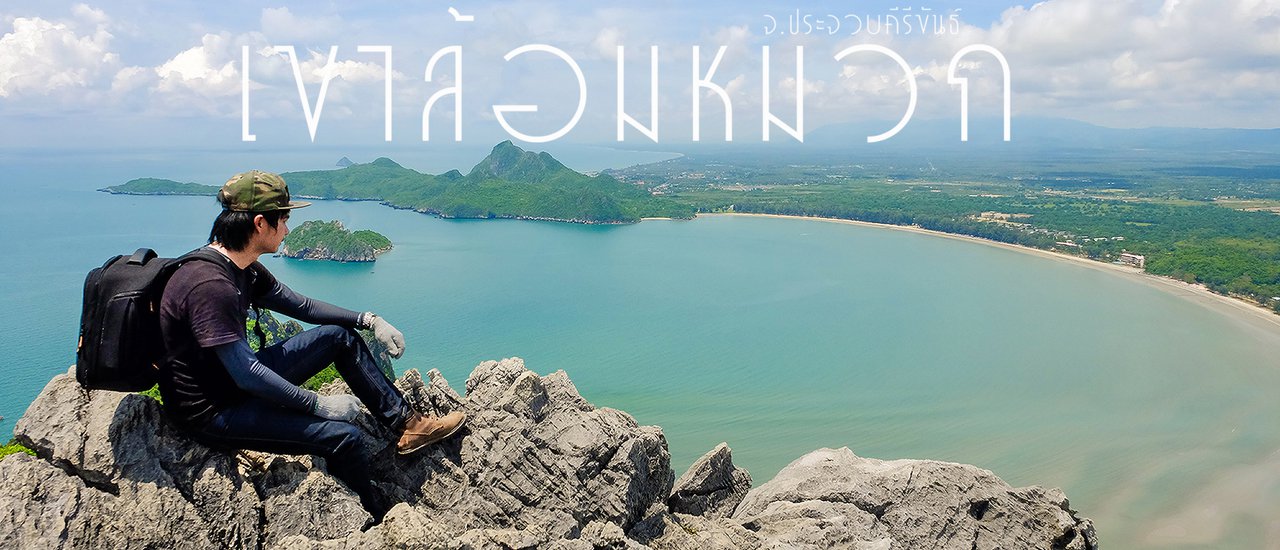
(132, 73)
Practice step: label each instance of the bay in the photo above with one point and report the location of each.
(778, 336)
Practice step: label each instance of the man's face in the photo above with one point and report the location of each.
(268, 238)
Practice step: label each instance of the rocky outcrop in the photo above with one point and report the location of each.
(112, 473)
(712, 486)
(536, 466)
(831, 497)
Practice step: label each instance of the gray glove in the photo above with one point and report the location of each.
(387, 334)
(342, 407)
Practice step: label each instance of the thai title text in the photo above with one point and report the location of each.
(449, 60)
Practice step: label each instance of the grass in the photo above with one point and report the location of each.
(13, 447)
(329, 374)
(153, 393)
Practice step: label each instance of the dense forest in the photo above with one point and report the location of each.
(1213, 225)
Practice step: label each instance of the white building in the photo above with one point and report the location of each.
(1136, 260)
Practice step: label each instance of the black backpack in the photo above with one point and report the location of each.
(120, 346)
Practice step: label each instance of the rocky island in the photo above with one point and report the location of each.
(321, 240)
(537, 466)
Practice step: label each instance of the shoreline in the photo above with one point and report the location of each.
(1200, 294)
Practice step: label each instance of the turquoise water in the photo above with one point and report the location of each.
(777, 336)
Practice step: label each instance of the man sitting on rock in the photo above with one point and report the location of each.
(225, 395)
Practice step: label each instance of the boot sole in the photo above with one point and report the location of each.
(434, 440)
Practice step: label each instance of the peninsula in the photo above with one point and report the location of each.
(321, 240)
(158, 186)
(509, 183)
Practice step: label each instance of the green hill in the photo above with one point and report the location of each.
(157, 186)
(509, 183)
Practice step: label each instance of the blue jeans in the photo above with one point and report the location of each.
(257, 425)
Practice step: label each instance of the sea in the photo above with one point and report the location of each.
(1155, 414)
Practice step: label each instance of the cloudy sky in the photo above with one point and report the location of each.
(150, 73)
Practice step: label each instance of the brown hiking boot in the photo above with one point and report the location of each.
(420, 431)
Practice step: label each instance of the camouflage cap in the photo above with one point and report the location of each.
(257, 191)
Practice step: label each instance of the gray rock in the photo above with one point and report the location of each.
(299, 498)
(434, 397)
(535, 455)
(599, 534)
(403, 527)
(831, 497)
(536, 466)
(166, 486)
(712, 486)
(43, 507)
(686, 532)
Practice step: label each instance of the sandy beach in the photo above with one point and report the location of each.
(1240, 310)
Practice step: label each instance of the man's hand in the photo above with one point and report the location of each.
(388, 335)
(342, 407)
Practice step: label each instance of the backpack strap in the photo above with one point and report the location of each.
(210, 255)
(142, 256)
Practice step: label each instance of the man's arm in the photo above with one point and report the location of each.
(284, 300)
(254, 377)
(258, 380)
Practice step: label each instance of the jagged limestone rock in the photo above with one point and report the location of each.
(43, 507)
(161, 483)
(297, 498)
(403, 527)
(712, 486)
(535, 455)
(536, 466)
(434, 398)
(831, 497)
(683, 531)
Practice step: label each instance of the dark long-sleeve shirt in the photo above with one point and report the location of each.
(202, 321)
(257, 379)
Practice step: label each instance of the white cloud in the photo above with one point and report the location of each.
(738, 40)
(90, 15)
(1118, 62)
(346, 69)
(130, 79)
(787, 87)
(41, 57)
(607, 41)
(208, 69)
(1124, 63)
(733, 88)
(207, 77)
(1131, 63)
